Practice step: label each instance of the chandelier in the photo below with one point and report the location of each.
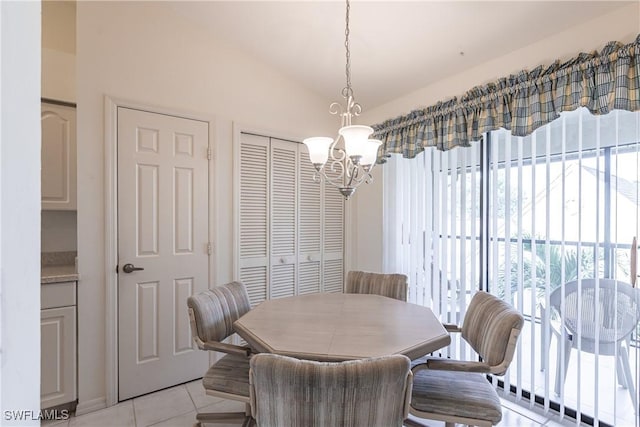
(345, 168)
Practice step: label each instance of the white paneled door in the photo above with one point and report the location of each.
(163, 247)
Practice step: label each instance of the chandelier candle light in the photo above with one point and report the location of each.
(352, 165)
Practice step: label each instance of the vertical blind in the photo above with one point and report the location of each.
(432, 229)
(523, 217)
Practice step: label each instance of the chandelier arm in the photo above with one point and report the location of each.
(336, 181)
(335, 153)
(368, 178)
(353, 175)
(336, 109)
(336, 184)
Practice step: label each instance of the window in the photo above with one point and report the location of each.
(522, 216)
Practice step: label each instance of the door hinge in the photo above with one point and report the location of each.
(209, 249)
(209, 153)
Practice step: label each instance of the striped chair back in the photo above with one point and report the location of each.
(388, 285)
(287, 392)
(215, 310)
(491, 327)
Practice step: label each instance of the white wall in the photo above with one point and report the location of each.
(58, 50)
(59, 25)
(58, 75)
(59, 231)
(19, 210)
(140, 51)
(367, 228)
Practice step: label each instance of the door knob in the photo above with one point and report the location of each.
(130, 268)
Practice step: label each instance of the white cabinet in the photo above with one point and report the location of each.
(58, 344)
(58, 152)
(289, 234)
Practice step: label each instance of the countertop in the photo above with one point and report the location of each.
(58, 273)
(56, 267)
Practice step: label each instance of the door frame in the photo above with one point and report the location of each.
(111, 105)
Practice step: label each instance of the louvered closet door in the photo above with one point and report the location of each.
(309, 226)
(291, 228)
(253, 216)
(333, 238)
(284, 172)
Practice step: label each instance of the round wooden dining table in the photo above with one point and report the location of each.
(337, 327)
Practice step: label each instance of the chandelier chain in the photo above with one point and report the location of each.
(348, 89)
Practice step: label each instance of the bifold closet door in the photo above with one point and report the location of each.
(253, 236)
(282, 218)
(332, 238)
(309, 226)
(291, 228)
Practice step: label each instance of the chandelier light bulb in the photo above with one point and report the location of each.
(370, 152)
(355, 139)
(318, 147)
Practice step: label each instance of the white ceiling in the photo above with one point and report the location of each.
(396, 46)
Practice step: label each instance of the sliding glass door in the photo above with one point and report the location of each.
(533, 219)
(571, 192)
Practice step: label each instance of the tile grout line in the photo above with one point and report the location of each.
(175, 416)
(518, 414)
(191, 397)
(521, 409)
(133, 407)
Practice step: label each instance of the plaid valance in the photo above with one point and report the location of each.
(601, 82)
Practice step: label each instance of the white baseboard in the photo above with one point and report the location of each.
(91, 405)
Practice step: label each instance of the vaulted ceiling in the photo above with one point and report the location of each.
(396, 46)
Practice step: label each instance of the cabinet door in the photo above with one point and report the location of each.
(58, 153)
(58, 356)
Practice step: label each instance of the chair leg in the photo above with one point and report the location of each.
(624, 359)
(622, 381)
(562, 360)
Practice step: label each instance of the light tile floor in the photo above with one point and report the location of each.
(177, 407)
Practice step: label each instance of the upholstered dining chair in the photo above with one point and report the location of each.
(212, 314)
(456, 391)
(288, 392)
(387, 285)
(574, 322)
